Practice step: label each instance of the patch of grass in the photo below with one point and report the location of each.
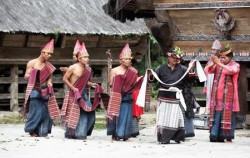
(100, 125)
(11, 118)
(248, 127)
(100, 122)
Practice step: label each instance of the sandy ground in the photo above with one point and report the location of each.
(14, 143)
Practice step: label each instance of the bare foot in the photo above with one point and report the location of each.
(228, 141)
(115, 138)
(33, 134)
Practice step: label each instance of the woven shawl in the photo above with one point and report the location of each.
(220, 81)
(71, 110)
(98, 90)
(224, 97)
(122, 84)
(39, 77)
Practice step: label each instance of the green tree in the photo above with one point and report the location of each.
(153, 58)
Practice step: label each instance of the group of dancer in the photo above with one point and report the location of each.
(176, 102)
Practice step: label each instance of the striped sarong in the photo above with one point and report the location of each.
(170, 121)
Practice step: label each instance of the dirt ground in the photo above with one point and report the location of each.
(14, 143)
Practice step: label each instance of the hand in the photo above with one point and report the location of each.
(75, 89)
(63, 69)
(138, 78)
(204, 90)
(215, 59)
(49, 84)
(149, 72)
(191, 62)
(93, 85)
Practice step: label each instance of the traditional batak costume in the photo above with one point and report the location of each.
(171, 103)
(121, 102)
(224, 102)
(78, 113)
(40, 104)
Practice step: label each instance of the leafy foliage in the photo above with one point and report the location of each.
(57, 34)
(152, 60)
(228, 46)
(179, 52)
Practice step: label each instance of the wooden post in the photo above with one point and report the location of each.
(242, 89)
(14, 88)
(105, 78)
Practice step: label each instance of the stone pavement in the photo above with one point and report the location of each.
(14, 143)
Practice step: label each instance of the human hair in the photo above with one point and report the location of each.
(230, 54)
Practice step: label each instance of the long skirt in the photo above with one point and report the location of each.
(170, 121)
(84, 127)
(86, 122)
(38, 121)
(120, 127)
(216, 134)
(134, 127)
(189, 127)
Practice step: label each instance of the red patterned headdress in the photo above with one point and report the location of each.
(83, 51)
(126, 52)
(49, 47)
(77, 47)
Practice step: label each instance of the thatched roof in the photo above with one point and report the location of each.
(68, 16)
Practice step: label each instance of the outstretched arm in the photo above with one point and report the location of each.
(63, 69)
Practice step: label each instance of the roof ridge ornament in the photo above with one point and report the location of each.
(223, 22)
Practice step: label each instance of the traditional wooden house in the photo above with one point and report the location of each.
(193, 25)
(26, 25)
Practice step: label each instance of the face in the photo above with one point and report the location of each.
(84, 60)
(125, 62)
(225, 59)
(46, 55)
(173, 60)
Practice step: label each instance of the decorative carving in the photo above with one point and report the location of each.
(238, 56)
(209, 37)
(222, 21)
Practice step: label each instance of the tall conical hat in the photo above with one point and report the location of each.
(83, 51)
(49, 47)
(77, 47)
(126, 52)
(216, 45)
